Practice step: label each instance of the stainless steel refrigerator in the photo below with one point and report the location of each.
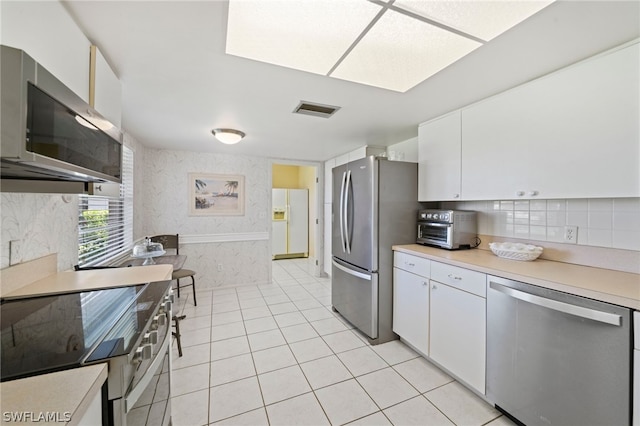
(374, 207)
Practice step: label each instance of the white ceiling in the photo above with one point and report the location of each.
(178, 83)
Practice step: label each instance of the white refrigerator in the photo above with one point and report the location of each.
(290, 223)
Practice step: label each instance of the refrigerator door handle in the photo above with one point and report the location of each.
(346, 211)
(351, 271)
(341, 215)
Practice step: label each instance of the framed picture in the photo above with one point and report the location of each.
(216, 195)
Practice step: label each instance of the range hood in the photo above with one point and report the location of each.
(49, 135)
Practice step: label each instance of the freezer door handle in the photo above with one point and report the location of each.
(341, 215)
(351, 271)
(346, 211)
(567, 308)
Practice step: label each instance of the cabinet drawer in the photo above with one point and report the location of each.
(463, 279)
(413, 264)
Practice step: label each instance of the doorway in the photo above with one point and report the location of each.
(291, 183)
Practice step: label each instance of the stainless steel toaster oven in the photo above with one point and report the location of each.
(448, 229)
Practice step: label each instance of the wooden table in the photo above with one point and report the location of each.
(176, 260)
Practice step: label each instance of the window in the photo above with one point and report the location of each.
(105, 224)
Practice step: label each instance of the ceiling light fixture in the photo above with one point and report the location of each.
(228, 136)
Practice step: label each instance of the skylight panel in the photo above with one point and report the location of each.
(305, 35)
(400, 52)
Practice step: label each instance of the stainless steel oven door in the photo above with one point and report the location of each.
(437, 234)
(140, 382)
(148, 402)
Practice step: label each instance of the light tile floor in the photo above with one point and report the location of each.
(277, 355)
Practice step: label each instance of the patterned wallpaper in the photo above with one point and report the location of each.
(42, 224)
(165, 211)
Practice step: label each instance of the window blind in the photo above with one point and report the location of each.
(105, 224)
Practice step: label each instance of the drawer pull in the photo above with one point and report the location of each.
(409, 264)
(453, 277)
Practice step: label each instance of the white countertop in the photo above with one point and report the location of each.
(68, 394)
(93, 279)
(620, 288)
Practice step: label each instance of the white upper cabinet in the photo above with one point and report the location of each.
(439, 163)
(52, 38)
(105, 91)
(570, 134)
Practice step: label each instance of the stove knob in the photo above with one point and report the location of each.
(165, 308)
(143, 353)
(153, 337)
(150, 338)
(158, 321)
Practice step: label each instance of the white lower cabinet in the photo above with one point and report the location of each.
(458, 333)
(636, 369)
(411, 309)
(440, 310)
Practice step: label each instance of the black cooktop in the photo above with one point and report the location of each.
(52, 333)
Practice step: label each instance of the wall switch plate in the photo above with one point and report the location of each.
(571, 234)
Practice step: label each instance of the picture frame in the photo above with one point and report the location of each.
(216, 194)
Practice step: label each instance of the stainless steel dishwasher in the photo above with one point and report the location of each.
(555, 358)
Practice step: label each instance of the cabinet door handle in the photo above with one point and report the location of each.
(434, 287)
(519, 193)
(533, 193)
(453, 277)
(424, 283)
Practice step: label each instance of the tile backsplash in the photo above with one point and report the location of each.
(606, 222)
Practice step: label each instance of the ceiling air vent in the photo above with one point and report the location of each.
(318, 110)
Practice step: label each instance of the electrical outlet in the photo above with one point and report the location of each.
(219, 267)
(571, 234)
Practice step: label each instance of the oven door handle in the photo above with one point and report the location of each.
(567, 308)
(441, 225)
(134, 394)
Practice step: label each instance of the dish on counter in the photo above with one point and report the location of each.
(516, 251)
